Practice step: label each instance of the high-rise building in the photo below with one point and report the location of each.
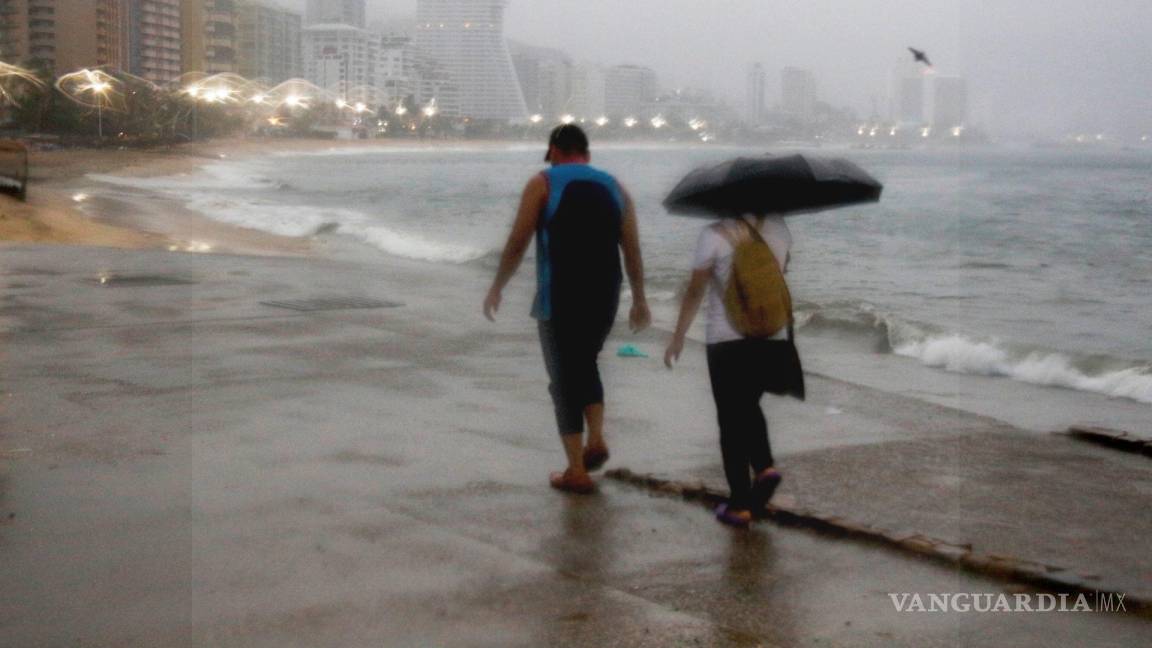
(152, 44)
(268, 42)
(466, 39)
(339, 57)
(910, 100)
(336, 12)
(545, 76)
(62, 36)
(208, 36)
(627, 89)
(395, 69)
(797, 92)
(436, 86)
(950, 102)
(755, 108)
(588, 97)
(909, 94)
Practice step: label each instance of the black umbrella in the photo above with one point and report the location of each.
(789, 184)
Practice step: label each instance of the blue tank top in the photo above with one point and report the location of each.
(577, 242)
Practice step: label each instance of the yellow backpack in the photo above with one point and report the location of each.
(756, 299)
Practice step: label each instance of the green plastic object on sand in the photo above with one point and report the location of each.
(630, 351)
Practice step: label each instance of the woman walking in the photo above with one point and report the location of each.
(739, 265)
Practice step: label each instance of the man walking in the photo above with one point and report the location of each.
(582, 218)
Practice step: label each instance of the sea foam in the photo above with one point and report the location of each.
(973, 355)
(202, 193)
(960, 354)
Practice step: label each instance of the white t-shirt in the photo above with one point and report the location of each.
(713, 251)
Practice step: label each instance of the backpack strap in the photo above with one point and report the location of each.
(736, 236)
(721, 228)
(754, 232)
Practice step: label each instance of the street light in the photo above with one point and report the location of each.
(194, 91)
(100, 89)
(90, 88)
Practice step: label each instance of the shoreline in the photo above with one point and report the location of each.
(58, 210)
(141, 219)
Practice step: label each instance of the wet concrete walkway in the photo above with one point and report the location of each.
(183, 465)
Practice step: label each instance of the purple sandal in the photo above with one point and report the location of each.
(727, 515)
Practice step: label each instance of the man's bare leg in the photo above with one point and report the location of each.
(575, 479)
(594, 417)
(574, 449)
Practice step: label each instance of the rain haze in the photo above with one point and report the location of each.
(715, 323)
(1036, 67)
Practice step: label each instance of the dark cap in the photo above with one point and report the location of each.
(569, 138)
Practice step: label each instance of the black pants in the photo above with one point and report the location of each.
(741, 372)
(571, 355)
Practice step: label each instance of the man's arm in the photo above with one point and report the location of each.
(532, 204)
(639, 317)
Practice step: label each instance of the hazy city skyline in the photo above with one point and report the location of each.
(1033, 66)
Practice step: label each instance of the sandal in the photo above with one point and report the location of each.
(563, 481)
(733, 517)
(595, 458)
(764, 488)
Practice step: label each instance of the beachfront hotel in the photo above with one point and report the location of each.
(466, 39)
(797, 93)
(61, 36)
(628, 88)
(545, 78)
(268, 41)
(208, 36)
(949, 102)
(152, 44)
(339, 57)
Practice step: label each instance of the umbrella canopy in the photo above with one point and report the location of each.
(789, 184)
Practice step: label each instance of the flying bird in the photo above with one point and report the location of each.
(920, 56)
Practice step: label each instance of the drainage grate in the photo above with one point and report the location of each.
(331, 303)
(138, 281)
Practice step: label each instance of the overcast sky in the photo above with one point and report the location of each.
(1031, 64)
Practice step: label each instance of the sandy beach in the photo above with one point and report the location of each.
(58, 211)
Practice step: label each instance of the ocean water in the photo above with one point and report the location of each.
(1027, 264)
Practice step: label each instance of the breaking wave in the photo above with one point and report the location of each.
(966, 354)
(196, 193)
